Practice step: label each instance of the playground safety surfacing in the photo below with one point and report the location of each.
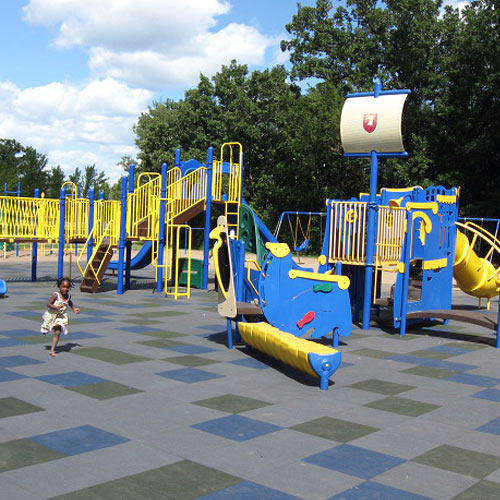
(145, 401)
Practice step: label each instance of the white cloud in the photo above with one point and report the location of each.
(74, 125)
(156, 44)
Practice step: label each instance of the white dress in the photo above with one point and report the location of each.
(52, 318)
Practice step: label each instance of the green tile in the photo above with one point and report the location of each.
(427, 371)
(467, 345)
(191, 361)
(109, 355)
(37, 339)
(424, 353)
(162, 343)
(23, 452)
(373, 353)
(407, 336)
(356, 336)
(158, 314)
(334, 429)
(10, 407)
(162, 334)
(232, 403)
(460, 460)
(105, 390)
(183, 480)
(141, 321)
(402, 406)
(482, 490)
(381, 387)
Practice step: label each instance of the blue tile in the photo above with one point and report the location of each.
(432, 363)
(345, 364)
(83, 335)
(248, 490)
(471, 379)
(489, 394)
(448, 349)
(10, 361)
(376, 491)
(21, 333)
(250, 363)
(78, 440)
(237, 427)
(138, 329)
(26, 314)
(212, 328)
(189, 375)
(191, 349)
(354, 461)
(71, 379)
(492, 427)
(11, 342)
(8, 376)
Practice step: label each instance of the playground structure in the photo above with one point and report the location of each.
(154, 211)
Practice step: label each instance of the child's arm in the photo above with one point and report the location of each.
(51, 305)
(75, 309)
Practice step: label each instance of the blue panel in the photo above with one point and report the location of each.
(355, 461)
(248, 490)
(78, 440)
(8, 376)
(489, 394)
(11, 342)
(471, 379)
(189, 375)
(10, 361)
(237, 427)
(376, 491)
(71, 379)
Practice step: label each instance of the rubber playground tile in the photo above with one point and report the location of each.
(24, 452)
(372, 353)
(110, 355)
(428, 353)
(402, 406)
(450, 349)
(191, 361)
(460, 460)
(471, 379)
(381, 387)
(77, 440)
(491, 427)
(10, 407)
(397, 336)
(231, 403)
(248, 490)
(71, 379)
(140, 321)
(182, 480)
(162, 343)
(237, 427)
(354, 461)
(467, 346)
(483, 490)
(22, 332)
(189, 375)
(427, 371)
(334, 429)
(489, 394)
(162, 334)
(159, 314)
(12, 361)
(139, 329)
(8, 376)
(13, 342)
(105, 390)
(370, 490)
(191, 349)
(250, 363)
(433, 363)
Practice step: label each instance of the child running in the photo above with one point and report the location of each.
(55, 318)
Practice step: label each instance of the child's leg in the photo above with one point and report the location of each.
(55, 340)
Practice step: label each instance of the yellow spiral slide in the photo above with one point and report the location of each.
(476, 275)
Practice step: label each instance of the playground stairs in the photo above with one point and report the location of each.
(97, 267)
(232, 213)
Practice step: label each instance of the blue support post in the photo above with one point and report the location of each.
(123, 236)
(161, 243)
(497, 345)
(370, 242)
(178, 158)
(128, 245)
(406, 277)
(34, 246)
(62, 220)
(90, 246)
(208, 211)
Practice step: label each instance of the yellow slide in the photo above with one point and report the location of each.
(476, 275)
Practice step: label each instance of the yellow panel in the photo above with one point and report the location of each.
(435, 264)
(342, 281)
(279, 250)
(443, 198)
(429, 205)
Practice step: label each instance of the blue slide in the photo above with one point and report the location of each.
(140, 260)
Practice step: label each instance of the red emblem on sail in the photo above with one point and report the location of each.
(370, 122)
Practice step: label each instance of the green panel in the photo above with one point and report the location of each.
(334, 429)
(196, 272)
(109, 355)
(23, 452)
(232, 403)
(10, 407)
(105, 390)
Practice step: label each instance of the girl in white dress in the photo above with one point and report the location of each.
(55, 318)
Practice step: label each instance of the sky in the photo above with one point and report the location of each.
(76, 74)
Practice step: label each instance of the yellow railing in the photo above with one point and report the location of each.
(29, 218)
(173, 175)
(77, 218)
(142, 217)
(390, 235)
(173, 252)
(107, 220)
(229, 183)
(348, 232)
